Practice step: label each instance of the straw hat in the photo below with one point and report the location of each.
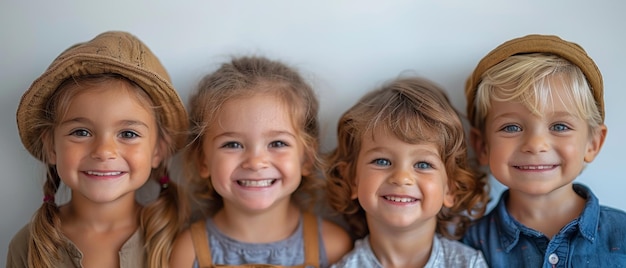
(110, 52)
(537, 44)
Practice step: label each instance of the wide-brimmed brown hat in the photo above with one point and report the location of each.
(536, 43)
(110, 52)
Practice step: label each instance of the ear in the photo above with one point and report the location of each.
(595, 143)
(344, 171)
(478, 142)
(203, 168)
(448, 197)
(307, 166)
(159, 154)
(48, 147)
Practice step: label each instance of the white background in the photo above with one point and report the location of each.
(344, 48)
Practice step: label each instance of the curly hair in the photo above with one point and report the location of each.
(414, 110)
(241, 77)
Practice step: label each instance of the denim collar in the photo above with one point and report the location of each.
(586, 224)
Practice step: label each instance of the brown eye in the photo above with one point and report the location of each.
(80, 133)
(232, 145)
(129, 134)
(278, 144)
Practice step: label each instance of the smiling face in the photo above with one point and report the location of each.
(105, 146)
(252, 154)
(398, 184)
(535, 154)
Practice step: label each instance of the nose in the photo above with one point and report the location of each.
(104, 149)
(402, 176)
(536, 142)
(256, 159)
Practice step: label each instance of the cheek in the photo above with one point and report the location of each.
(142, 157)
(66, 155)
(499, 150)
(572, 149)
(365, 186)
(292, 163)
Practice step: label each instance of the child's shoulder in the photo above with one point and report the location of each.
(612, 217)
(183, 251)
(360, 256)
(18, 248)
(336, 239)
(597, 216)
(450, 245)
(453, 253)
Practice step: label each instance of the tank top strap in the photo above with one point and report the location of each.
(311, 241)
(310, 234)
(200, 240)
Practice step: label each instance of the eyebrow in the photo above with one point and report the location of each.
(272, 133)
(84, 120)
(420, 150)
(544, 114)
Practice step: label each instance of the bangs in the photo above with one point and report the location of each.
(532, 81)
(404, 119)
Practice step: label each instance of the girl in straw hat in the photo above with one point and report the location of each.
(105, 119)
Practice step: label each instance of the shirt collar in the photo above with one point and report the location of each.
(510, 229)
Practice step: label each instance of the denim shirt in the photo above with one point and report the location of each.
(597, 238)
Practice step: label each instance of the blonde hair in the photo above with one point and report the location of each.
(414, 110)
(241, 77)
(528, 79)
(158, 220)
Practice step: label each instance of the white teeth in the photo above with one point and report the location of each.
(535, 167)
(255, 183)
(94, 173)
(400, 199)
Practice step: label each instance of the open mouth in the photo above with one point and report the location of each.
(537, 167)
(95, 173)
(400, 199)
(256, 183)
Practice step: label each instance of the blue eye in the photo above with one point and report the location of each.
(511, 128)
(381, 162)
(423, 165)
(560, 127)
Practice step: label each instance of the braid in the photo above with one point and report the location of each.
(46, 236)
(161, 221)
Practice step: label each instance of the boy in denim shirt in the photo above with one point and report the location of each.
(536, 109)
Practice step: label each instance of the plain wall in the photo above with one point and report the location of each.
(344, 48)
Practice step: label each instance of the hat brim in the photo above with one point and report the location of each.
(160, 90)
(536, 43)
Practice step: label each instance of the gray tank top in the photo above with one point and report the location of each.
(287, 252)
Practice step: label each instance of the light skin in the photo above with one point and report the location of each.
(255, 161)
(104, 150)
(538, 158)
(402, 187)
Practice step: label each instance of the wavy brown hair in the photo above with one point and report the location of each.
(242, 77)
(159, 220)
(414, 110)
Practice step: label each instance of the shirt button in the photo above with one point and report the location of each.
(553, 258)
